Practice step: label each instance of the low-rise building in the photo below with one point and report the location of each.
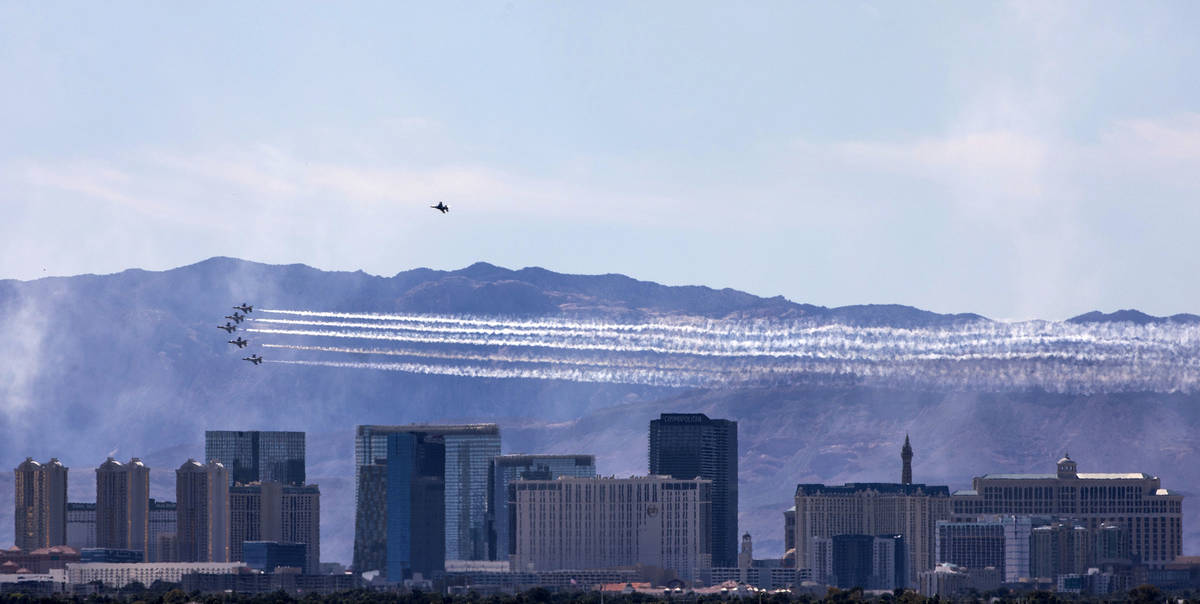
(119, 575)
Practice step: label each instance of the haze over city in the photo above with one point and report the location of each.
(682, 299)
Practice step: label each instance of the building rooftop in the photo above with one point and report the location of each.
(1081, 475)
(884, 488)
(521, 459)
(433, 428)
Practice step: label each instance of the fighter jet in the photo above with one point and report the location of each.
(246, 308)
(228, 327)
(236, 317)
(442, 207)
(240, 343)
(254, 358)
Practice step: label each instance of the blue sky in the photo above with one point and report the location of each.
(1014, 159)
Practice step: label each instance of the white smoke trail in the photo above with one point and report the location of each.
(505, 358)
(643, 377)
(1033, 354)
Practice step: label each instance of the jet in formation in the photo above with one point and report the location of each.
(254, 358)
(246, 308)
(228, 327)
(239, 342)
(442, 207)
(236, 317)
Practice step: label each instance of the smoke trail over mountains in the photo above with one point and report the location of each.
(1051, 356)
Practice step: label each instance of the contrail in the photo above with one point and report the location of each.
(504, 358)
(1050, 355)
(643, 377)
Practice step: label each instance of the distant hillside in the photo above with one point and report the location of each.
(1136, 317)
(132, 364)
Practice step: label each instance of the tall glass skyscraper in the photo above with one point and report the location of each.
(690, 445)
(421, 496)
(506, 468)
(257, 455)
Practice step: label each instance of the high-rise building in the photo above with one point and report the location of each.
(590, 523)
(911, 510)
(257, 455)
(971, 544)
(40, 497)
(690, 445)
(202, 512)
(506, 468)
(81, 525)
(123, 506)
(279, 513)
(1137, 502)
(421, 496)
(866, 561)
(162, 526)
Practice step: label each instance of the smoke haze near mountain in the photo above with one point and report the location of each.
(132, 363)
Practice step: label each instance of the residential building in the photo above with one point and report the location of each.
(590, 523)
(866, 561)
(106, 554)
(40, 498)
(421, 496)
(81, 525)
(690, 445)
(274, 512)
(258, 455)
(162, 530)
(270, 555)
(202, 512)
(123, 505)
(1152, 515)
(504, 469)
(971, 544)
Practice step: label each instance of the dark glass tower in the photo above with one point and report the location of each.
(690, 445)
(257, 456)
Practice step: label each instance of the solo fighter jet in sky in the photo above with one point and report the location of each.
(239, 342)
(254, 358)
(442, 207)
(228, 327)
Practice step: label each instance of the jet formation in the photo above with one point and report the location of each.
(232, 325)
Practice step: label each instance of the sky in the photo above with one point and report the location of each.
(1019, 160)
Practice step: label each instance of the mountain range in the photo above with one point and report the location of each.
(131, 364)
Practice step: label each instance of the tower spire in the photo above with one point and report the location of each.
(906, 455)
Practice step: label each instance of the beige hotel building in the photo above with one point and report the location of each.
(1152, 515)
(591, 523)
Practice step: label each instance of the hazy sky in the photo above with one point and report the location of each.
(1015, 159)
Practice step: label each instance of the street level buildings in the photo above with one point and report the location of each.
(123, 506)
(202, 512)
(1152, 515)
(257, 455)
(421, 496)
(504, 469)
(591, 523)
(690, 445)
(40, 498)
